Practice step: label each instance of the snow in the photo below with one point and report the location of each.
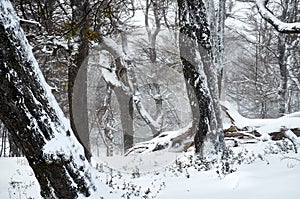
(17, 179)
(143, 112)
(274, 176)
(110, 77)
(274, 173)
(145, 163)
(164, 139)
(263, 126)
(112, 47)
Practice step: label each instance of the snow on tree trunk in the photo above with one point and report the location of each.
(264, 127)
(195, 53)
(125, 87)
(211, 60)
(35, 121)
(286, 50)
(221, 33)
(107, 122)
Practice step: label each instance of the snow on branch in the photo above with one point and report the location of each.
(279, 25)
(112, 47)
(36, 23)
(144, 114)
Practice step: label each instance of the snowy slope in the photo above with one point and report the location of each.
(273, 178)
(267, 171)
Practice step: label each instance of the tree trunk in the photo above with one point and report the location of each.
(107, 123)
(221, 32)
(126, 110)
(34, 119)
(14, 150)
(283, 74)
(195, 53)
(123, 90)
(77, 78)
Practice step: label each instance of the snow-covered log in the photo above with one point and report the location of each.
(274, 127)
(175, 141)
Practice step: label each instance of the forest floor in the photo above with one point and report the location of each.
(269, 169)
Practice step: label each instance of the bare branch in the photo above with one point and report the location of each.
(32, 22)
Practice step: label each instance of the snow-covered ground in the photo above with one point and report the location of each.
(17, 179)
(262, 170)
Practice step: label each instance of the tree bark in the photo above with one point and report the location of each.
(77, 78)
(195, 53)
(34, 119)
(283, 73)
(123, 90)
(126, 110)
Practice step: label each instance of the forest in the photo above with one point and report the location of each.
(123, 99)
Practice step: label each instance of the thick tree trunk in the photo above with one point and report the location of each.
(77, 78)
(36, 123)
(126, 110)
(14, 151)
(125, 100)
(122, 90)
(287, 58)
(201, 104)
(195, 53)
(221, 33)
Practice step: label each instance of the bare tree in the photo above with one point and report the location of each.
(261, 75)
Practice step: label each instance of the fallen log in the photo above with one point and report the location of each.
(261, 127)
(242, 127)
(177, 141)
